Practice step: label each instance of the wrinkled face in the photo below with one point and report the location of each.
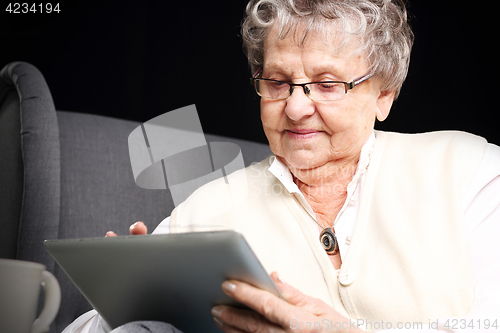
(308, 134)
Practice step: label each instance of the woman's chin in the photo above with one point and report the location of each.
(304, 159)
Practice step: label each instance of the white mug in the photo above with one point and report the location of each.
(20, 283)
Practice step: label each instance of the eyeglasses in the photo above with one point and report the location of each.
(317, 91)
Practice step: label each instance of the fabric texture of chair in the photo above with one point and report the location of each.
(68, 175)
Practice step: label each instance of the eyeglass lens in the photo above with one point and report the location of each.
(315, 91)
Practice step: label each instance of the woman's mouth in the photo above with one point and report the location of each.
(296, 133)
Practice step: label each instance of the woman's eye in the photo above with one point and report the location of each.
(326, 85)
(278, 84)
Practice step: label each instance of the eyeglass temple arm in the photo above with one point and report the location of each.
(358, 80)
(257, 73)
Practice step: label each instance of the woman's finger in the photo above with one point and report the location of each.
(295, 297)
(289, 293)
(138, 228)
(228, 329)
(273, 308)
(234, 320)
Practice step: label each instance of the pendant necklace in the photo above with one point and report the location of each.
(328, 240)
(327, 236)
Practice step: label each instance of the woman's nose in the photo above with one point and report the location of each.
(298, 105)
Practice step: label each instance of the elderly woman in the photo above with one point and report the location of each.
(376, 230)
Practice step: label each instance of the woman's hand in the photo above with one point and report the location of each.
(138, 228)
(271, 314)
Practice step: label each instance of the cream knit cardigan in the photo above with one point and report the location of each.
(408, 258)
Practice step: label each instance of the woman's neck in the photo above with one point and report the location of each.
(325, 187)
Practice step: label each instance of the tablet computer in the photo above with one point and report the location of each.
(174, 278)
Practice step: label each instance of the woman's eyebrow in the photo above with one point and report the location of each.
(276, 67)
(282, 68)
(327, 68)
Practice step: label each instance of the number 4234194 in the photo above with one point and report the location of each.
(471, 323)
(25, 8)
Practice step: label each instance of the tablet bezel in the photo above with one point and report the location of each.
(175, 278)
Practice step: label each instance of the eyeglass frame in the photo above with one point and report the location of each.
(348, 85)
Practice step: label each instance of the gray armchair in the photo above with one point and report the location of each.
(68, 175)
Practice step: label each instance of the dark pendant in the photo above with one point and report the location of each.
(329, 241)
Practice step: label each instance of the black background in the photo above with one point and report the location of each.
(138, 59)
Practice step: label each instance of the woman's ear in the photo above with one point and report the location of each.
(384, 104)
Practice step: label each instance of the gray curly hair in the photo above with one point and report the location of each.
(382, 25)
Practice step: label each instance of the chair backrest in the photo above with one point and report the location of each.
(68, 175)
(11, 164)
